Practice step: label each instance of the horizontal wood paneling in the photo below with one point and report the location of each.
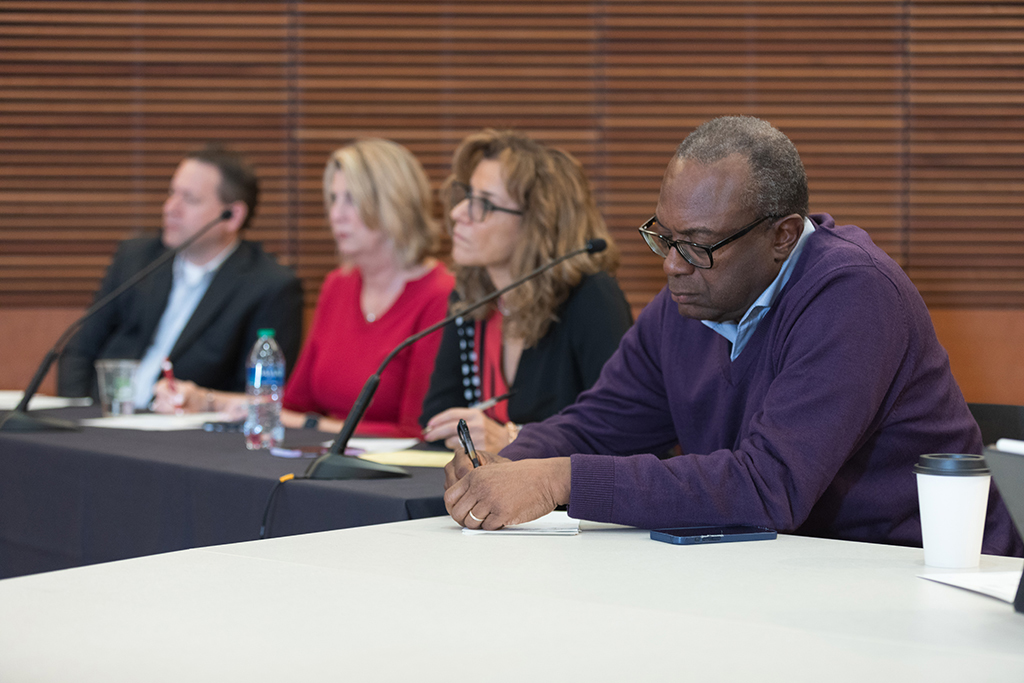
(669, 71)
(908, 116)
(966, 131)
(101, 100)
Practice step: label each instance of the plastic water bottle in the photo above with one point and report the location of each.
(264, 386)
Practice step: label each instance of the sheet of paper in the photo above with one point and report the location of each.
(999, 585)
(384, 451)
(152, 422)
(411, 458)
(370, 445)
(555, 523)
(9, 400)
(1010, 446)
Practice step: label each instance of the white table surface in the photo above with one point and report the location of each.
(420, 601)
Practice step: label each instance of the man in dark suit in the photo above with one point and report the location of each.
(202, 310)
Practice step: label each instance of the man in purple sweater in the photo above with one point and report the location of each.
(791, 359)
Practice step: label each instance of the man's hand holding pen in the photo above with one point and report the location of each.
(503, 492)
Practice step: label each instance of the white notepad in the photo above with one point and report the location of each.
(9, 400)
(999, 585)
(554, 523)
(154, 422)
(1010, 446)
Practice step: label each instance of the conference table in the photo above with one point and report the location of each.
(72, 498)
(421, 601)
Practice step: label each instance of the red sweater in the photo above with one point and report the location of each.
(342, 350)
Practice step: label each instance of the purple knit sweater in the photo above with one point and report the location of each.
(813, 429)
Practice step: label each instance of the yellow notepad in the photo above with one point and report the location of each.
(410, 458)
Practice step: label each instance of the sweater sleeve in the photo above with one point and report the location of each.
(831, 375)
(612, 417)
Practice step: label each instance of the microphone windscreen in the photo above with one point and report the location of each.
(595, 246)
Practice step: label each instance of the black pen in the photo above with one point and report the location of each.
(467, 443)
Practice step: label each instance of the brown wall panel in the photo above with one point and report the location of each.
(26, 334)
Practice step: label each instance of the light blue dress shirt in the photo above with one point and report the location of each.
(739, 333)
(190, 284)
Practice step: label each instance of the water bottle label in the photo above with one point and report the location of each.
(266, 375)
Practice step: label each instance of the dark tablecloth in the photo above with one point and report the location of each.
(74, 498)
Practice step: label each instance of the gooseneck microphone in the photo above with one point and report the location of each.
(19, 420)
(334, 464)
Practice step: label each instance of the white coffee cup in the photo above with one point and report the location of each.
(952, 492)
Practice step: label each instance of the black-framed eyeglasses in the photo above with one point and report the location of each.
(697, 255)
(479, 207)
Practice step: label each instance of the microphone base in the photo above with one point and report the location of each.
(17, 421)
(347, 467)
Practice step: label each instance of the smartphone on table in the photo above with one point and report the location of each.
(698, 535)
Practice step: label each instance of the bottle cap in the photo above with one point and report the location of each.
(952, 465)
(265, 332)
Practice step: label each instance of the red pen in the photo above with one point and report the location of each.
(168, 370)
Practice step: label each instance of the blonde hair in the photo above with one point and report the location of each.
(391, 193)
(559, 215)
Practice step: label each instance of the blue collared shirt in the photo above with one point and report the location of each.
(740, 333)
(190, 284)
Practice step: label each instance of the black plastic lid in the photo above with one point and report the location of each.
(952, 464)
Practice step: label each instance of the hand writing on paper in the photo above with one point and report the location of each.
(179, 396)
(183, 396)
(503, 492)
(487, 434)
(460, 465)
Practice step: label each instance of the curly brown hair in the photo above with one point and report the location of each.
(559, 215)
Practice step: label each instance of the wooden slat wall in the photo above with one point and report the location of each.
(100, 102)
(427, 74)
(827, 73)
(966, 129)
(908, 115)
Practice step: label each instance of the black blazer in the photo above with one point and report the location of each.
(250, 291)
(552, 373)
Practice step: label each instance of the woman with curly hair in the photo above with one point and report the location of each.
(513, 205)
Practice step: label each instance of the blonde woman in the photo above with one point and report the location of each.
(515, 204)
(388, 287)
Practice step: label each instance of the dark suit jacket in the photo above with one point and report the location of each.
(250, 291)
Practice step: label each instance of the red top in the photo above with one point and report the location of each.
(342, 350)
(494, 383)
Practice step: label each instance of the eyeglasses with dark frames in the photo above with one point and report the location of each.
(479, 207)
(697, 255)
